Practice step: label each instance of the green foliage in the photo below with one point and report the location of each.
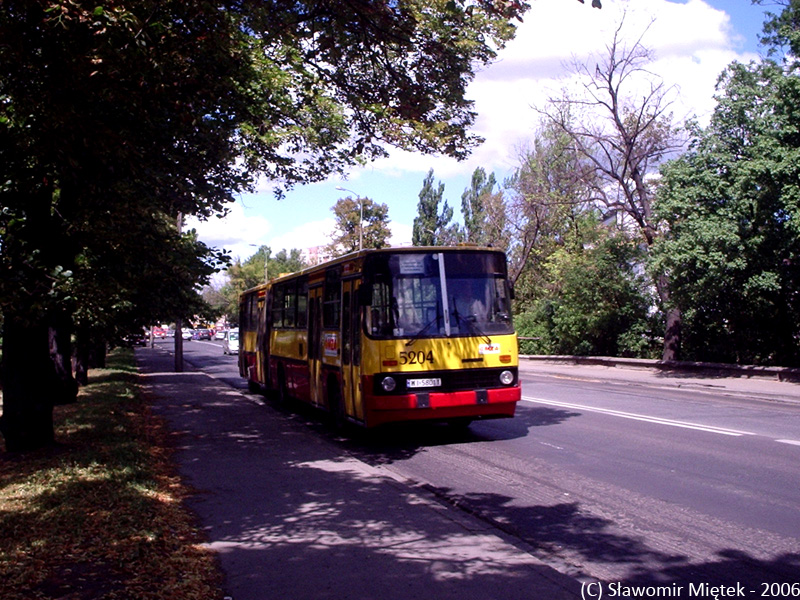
(126, 113)
(732, 205)
(116, 119)
(533, 328)
(782, 31)
(483, 209)
(360, 223)
(595, 303)
(431, 227)
(286, 262)
(546, 197)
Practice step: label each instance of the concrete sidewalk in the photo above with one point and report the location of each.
(633, 372)
(293, 516)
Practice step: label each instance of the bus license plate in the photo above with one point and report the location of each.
(423, 383)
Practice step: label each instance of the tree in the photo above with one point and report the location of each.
(114, 112)
(483, 211)
(621, 123)
(360, 223)
(781, 32)
(545, 198)
(732, 206)
(431, 227)
(286, 262)
(595, 303)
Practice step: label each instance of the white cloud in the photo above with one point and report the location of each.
(238, 233)
(401, 234)
(308, 235)
(242, 234)
(692, 42)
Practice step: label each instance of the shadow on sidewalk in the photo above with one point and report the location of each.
(292, 514)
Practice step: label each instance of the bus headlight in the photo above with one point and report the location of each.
(506, 378)
(388, 384)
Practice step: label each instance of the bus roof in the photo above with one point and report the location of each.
(360, 254)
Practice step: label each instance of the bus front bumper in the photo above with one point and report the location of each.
(475, 404)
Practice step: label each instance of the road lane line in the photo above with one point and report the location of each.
(638, 417)
(792, 442)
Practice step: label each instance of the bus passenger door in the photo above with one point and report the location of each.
(315, 344)
(351, 350)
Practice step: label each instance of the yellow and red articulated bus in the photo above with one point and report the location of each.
(395, 334)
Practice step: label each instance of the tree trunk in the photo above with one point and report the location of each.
(63, 387)
(673, 318)
(27, 421)
(82, 357)
(37, 375)
(90, 353)
(672, 335)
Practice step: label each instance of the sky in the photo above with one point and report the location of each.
(693, 41)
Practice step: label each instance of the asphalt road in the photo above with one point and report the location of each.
(614, 481)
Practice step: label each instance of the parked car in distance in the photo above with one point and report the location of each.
(137, 339)
(203, 334)
(187, 334)
(220, 335)
(230, 344)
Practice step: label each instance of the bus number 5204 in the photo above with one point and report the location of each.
(416, 358)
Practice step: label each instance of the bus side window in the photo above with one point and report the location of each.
(278, 305)
(380, 313)
(331, 306)
(302, 303)
(375, 321)
(290, 305)
(346, 332)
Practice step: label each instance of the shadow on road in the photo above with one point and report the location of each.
(565, 529)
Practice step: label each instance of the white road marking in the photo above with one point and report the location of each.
(646, 418)
(792, 442)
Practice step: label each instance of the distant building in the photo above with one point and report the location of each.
(316, 255)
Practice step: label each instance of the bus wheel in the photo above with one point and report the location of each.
(460, 422)
(253, 387)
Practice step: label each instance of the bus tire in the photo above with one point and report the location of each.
(460, 423)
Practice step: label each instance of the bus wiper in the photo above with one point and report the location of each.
(419, 334)
(472, 326)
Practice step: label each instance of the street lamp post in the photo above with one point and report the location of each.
(360, 215)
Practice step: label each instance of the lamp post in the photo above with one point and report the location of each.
(360, 215)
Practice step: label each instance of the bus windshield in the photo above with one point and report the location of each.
(436, 294)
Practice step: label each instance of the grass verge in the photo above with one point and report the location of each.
(101, 515)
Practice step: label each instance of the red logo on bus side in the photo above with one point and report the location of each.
(331, 344)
